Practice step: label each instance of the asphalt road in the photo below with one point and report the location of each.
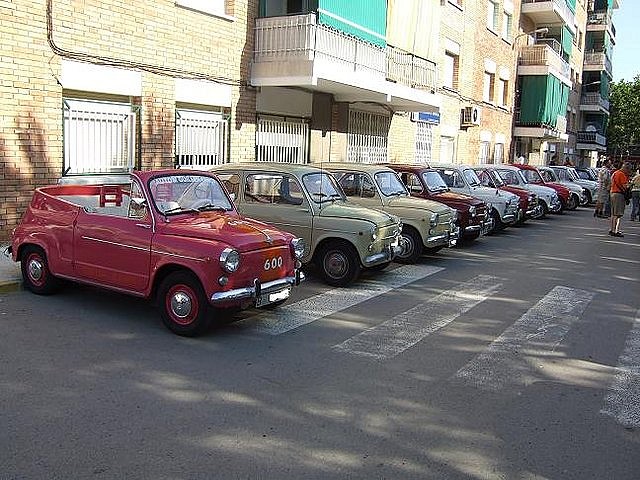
(517, 357)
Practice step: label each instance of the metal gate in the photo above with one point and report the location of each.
(201, 139)
(98, 137)
(368, 138)
(424, 142)
(282, 140)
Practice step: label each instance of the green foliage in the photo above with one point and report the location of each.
(624, 120)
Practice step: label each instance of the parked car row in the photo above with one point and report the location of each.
(240, 235)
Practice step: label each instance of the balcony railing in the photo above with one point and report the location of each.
(300, 37)
(557, 5)
(560, 124)
(602, 18)
(592, 138)
(598, 59)
(594, 98)
(544, 55)
(552, 43)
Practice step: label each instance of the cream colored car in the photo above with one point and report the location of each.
(340, 237)
(427, 226)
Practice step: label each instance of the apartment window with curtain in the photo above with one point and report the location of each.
(489, 87)
(503, 93)
(450, 70)
(492, 15)
(507, 26)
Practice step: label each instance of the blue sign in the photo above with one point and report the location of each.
(428, 117)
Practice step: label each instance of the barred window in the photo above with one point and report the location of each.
(368, 138)
(201, 139)
(485, 149)
(281, 139)
(498, 153)
(424, 142)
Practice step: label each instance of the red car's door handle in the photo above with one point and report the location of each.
(143, 225)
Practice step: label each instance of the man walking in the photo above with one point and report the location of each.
(635, 196)
(619, 183)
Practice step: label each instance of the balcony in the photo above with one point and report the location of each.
(597, 62)
(544, 59)
(593, 102)
(551, 132)
(600, 22)
(298, 51)
(591, 141)
(549, 12)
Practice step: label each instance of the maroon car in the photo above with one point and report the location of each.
(528, 200)
(425, 182)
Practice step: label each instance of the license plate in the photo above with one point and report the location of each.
(273, 297)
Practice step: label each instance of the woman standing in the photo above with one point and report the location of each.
(619, 183)
(635, 196)
(604, 187)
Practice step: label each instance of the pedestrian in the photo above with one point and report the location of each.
(635, 196)
(604, 187)
(568, 162)
(554, 159)
(619, 183)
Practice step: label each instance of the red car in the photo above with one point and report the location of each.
(171, 235)
(532, 175)
(425, 182)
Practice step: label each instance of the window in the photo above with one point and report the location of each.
(412, 181)
(357, 185)
(99, 137)
(498, 153)
(272, 188)
(368, 138)
(447, 149)
(231, 182)
(450, 70)
(492, 15)
(489, 87)
(507, 26)
(201, 139)
(284, 140)
(485, 149)
(424, 142)
(502, 94)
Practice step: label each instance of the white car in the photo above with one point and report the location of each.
(464, 179)
(569, 174)
(550, 175)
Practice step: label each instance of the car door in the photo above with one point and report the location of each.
(359, 188)
(112, 245)
(278, 199)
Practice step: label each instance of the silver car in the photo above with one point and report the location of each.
(569, 174)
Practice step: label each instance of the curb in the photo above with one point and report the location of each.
(10, 286)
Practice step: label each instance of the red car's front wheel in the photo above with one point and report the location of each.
(183, 304)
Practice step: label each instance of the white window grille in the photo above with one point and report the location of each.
(201, 139)
(368, 138)
(498, 153)
(98, 137)
(485, 150)
(282, 140)
(424, 142)
(507, 26)
(492, 15)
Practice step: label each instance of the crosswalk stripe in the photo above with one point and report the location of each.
(294, 315)
(538, 331)
(403, 331)
(622, 402)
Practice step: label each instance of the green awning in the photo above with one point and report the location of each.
(604, 86)
(544, 98)
(572, 5)
(567, 41)
(364, 19)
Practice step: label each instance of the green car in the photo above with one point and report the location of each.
(426, 225)
(340, 238)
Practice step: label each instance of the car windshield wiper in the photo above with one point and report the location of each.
(178, 210)
(324, 197)
(208, 207)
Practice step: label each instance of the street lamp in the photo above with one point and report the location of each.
(542, 30)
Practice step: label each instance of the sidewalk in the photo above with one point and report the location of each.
(10, 276)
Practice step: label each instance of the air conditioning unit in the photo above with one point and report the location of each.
(470, 116)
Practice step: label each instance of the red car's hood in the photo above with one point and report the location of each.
(243, 234)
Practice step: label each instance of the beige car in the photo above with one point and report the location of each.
(426, 225)
(340, 238)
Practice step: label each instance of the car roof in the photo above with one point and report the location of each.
(294, 168)
(363, 167)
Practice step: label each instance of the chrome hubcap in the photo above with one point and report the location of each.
(35, 269)
(336, 265)
(180, 305)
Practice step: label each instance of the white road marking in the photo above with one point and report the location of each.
(623, 399)
(294, 315)
(507, 361)
(403, 331)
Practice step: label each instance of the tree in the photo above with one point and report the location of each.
(623, 129)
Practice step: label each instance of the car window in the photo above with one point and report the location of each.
(452, 178)
(274, 188)
(137, 204)
(322, 187)
(355, 184)
(231, 182)
(389, 183)
(471, 177)
(485, 178)
(179, 193)
(412, 182)
(531, 176)
(509, 177)
(434, 181)
(548, 175)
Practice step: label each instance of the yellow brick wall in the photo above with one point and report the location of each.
(153, 37)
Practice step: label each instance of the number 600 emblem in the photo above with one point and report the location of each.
(272, 263)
